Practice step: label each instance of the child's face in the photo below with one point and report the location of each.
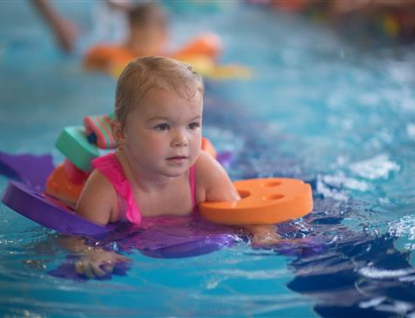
(162, 135)
(151, 38)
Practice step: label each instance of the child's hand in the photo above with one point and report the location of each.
(98, 263)
(263, 235)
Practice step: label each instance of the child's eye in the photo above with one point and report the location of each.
(194, 125)
(162, 127)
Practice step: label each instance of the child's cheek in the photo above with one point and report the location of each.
(159, 145)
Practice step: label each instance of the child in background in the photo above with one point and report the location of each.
(147, 36)
(158, 169)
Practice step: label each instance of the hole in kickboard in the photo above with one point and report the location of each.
(273, 197)
(271, 184)
(244, 193)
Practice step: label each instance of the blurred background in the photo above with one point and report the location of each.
(317, 90)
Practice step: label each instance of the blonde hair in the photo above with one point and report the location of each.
(154, 72)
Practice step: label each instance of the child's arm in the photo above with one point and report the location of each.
(98, 201)
(214, 184)
(212, 181)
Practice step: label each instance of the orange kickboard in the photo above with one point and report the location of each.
(264, 201)
(59, 186)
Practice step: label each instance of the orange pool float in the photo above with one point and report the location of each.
(104, 56)
(264, 201)
(60, 186)
(74, 174)
(208, 44)
(209, 148)
(201, 53)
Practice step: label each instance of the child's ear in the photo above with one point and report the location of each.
(117, 131)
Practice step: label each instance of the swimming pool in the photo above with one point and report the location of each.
(318, 108)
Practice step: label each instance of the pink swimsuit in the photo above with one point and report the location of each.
(110, 167)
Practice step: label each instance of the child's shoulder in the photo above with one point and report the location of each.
(98, 182)
(212, 181)
(207, 167)
(98, 200)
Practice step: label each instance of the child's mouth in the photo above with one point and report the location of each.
(177, 159)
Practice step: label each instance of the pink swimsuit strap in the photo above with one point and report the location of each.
(110, 167)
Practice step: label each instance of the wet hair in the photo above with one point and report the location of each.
(144, 14)
(154, 72)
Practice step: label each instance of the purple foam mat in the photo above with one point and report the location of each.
(30, 169)
(158, 232)
(170, 237)
(160, 238)
(49, 212)
(166, 237)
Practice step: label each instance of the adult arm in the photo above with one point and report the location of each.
(65, 31)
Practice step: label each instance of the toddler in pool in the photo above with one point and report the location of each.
(159, 168)
(147, 35)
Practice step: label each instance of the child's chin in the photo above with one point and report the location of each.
(174, 172)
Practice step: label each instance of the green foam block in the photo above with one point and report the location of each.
(74, 145)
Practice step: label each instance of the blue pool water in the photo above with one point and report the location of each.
(319, 108)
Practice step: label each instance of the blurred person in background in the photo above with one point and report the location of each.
(64, 30)
(147, 35)
(146, 30)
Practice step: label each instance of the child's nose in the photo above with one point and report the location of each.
(179, 140)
